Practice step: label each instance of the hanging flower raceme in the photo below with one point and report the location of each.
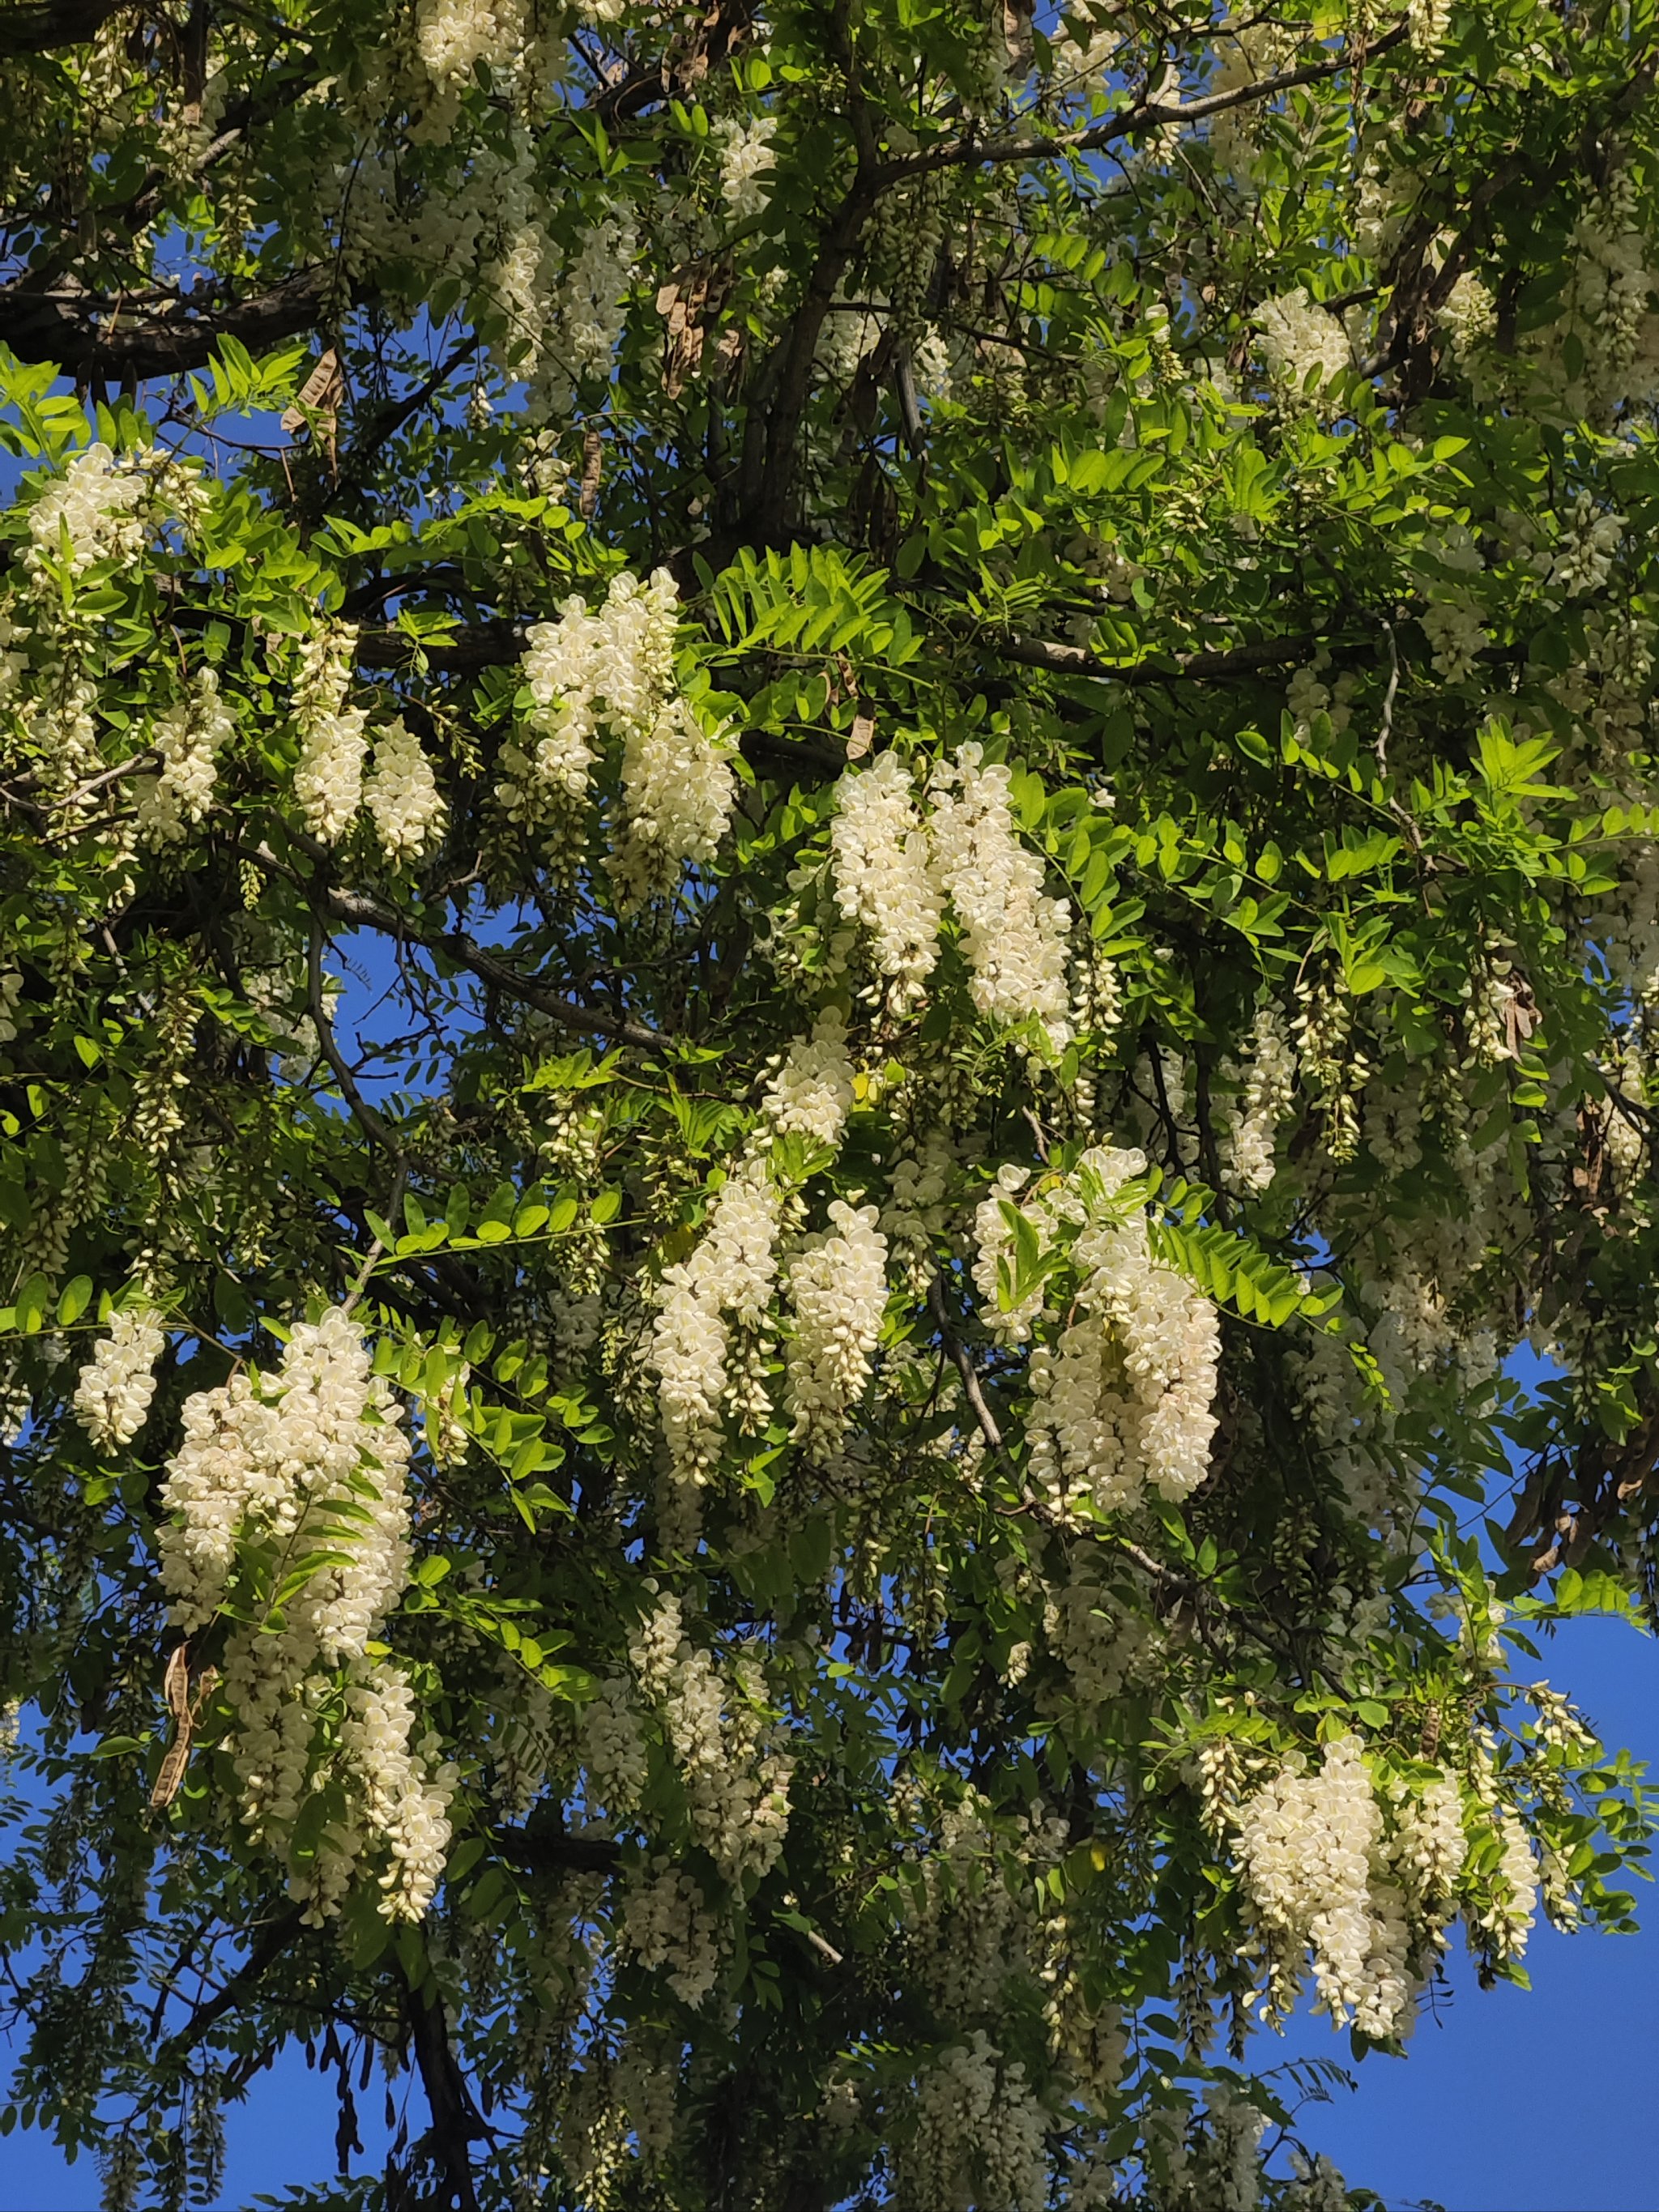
(1014, 939)
(838, 1288)
(589, 675)
(1327, 1878)
(678, 789)
(114, 1393)
(101, 507)
(310, 1465)
(731, 1765)
(269, 1460)
(746, 161)
(730, 1276)
(880, 853)
(1124, 1395)
(1266, 1086)
(1299, 340)
(189, 739)
(328, 783)
(810, 1094)
(402, 795)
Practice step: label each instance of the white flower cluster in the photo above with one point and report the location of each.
(1299, 340)
(1430, 1846)
(646, 2078)
(590, 312)
(1589, 543)
(402, 1803)
(451, 36)
(269, 1458)
(735, 1777)
(1245, 53)
(1013, 937)
(1506, 1919)
(1267, 1091)
(189, 737)
(880, 854)
(746, 161)
(1325, 1878)
(112, 1394)
(979, 2135)
(677, 792)
(667, 1925)
(1451, 622)
(974, 1930)
(838, 1287)
(811, 1091)
(96, 509)
(312, 1460)
(737, 1791)
(1606, 306)
(402, 793)
(614, 1748)
(851, 331)
(1469, 317)
(1217, 2167)
(994, 1242)
(328, 783)
(1315, 2186)
(588, 675)
(732, 1272)
(1125, 1393)
(1429, 21)
(1306, 1842)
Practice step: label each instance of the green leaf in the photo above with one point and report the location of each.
(32, 1301)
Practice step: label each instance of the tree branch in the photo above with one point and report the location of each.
(89, 334)
(454, 945)
(555, 1852)
(455, 2118)
(1145, 115)
(373, 1127)
(49, 24)
(962, 1360)
(1155, 668)
(263, 1954)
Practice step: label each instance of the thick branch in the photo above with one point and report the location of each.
(466, 646)
(89, 334)
(714, 41)
(1157, 668)
(556, 1852)
(48, 24)
(455, 2120)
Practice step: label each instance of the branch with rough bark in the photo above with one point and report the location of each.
(44, 27)
(91, 334)
(456, 2123)
(1157, 668)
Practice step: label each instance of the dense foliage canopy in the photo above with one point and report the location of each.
(829, 915)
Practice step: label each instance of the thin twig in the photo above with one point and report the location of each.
(962, 1360)
(373, 1127)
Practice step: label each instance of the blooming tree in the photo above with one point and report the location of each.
(828, 935)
